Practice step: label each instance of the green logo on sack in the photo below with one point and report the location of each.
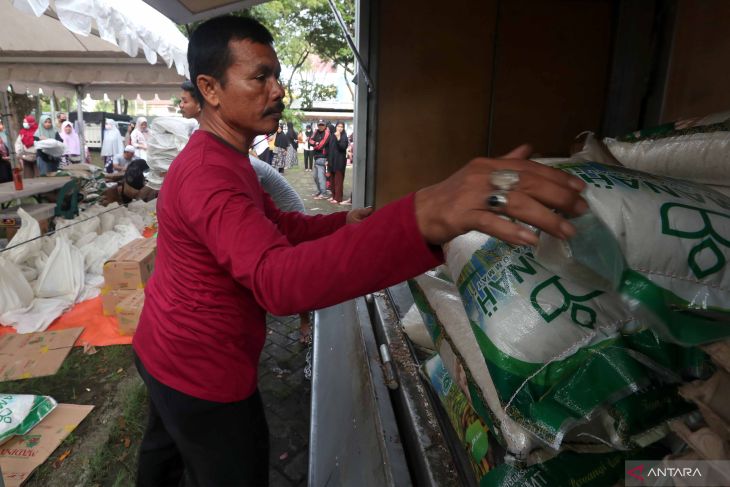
(580, 314)
(708, 234)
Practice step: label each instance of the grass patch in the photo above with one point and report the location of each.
(78, 373)
(115, 463)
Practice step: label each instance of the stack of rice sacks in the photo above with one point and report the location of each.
(576, 356)
(167, 137)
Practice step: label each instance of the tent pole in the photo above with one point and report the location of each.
(80, 121)
(53, 108)
(8, 128)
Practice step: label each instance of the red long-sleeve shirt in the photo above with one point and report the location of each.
(226, 255)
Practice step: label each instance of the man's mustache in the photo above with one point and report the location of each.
(278, 108)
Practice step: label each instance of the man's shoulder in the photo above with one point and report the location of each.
(206, 157)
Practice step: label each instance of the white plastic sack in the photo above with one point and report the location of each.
(37, 316)
(675, 238)
(52, 147)
(19, 413)
(555, 350)
(167, 137)
(63, 275)
(15, 292)
(92, 287)
(415, 328)
(693, 150)
(29, 230)
(443, 297)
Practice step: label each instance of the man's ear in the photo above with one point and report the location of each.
(208, 87)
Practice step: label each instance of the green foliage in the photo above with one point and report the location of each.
(327, 40)
(104, 106)
(309, 92)
(302, 28)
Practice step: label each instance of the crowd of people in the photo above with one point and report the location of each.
(35, 158)
(327, 152)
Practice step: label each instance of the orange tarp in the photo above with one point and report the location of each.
(99, 330)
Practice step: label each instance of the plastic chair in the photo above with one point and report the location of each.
(67, 202)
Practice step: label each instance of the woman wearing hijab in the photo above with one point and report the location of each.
(281, 144)
(70, 139)
(112, 145)
(291, 151)
(139, 139)
(338, 162)
(6, 170)
(25, 147)
(46, 131)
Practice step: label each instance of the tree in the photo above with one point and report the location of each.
(104, 106)
(295, 26)
(328, 41)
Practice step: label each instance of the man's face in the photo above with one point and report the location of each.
(251, 100)
(189, 106)
(128, 155)
(61, 119)
(320, 127)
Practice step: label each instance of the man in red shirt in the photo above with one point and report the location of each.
(226, 256)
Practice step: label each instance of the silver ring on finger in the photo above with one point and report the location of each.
(504, 179)
(497, 201)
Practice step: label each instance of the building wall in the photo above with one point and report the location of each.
(478, 78)
(699, 70)
(432, 89)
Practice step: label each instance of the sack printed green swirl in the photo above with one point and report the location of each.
(674, 238)
(557, 354)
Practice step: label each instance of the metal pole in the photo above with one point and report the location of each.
(8, 128)
(351, 43)
(38, 108)
(80, 120)
(53, 108)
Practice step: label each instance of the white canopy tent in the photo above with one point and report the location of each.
(186, 11)
(43, 52)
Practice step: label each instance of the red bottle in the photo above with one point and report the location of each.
(18, 178)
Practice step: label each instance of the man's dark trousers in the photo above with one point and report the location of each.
(193, 442)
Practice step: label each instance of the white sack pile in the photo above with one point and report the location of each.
(42, 278)
(695, 150)
(167, 137)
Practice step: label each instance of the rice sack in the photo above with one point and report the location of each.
(440, 304)
(470, 429)
(694, 150)
(555, 351)
(19, 413)
(675, 240)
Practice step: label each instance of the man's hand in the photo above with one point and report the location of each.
(358, 214)
(459, 204)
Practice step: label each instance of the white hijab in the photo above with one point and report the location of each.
(113, 145)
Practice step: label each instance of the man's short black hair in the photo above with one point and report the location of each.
(208, 50)
(188, 86)
(134, 174)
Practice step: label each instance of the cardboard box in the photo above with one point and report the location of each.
(132, 265)
(11, 230)
(128, 312)
(22, 454)
(35, 354)
(10, 219)
(110, 298)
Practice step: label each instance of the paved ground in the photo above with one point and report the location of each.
(282, 382)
